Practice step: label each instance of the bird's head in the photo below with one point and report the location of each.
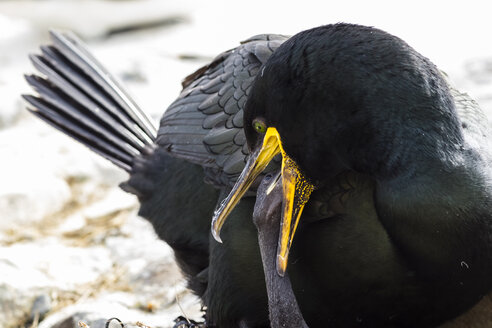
(334, 98)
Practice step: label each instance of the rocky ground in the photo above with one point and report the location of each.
(72, 247)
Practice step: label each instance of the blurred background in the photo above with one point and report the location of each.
(71, 244)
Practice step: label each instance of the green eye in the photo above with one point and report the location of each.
(259, 126)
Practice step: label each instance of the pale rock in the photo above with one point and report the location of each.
(40, 306)
(10, 106)
(35, 268)
(39, 163)
(107, 173)
(143, 256)
(97, 311)
(14, 305)
(140, 241)
(57, 154)
(17, 36)
(72, 160)
(116, 200)
(71, 224)
(31, 188)
(92, 320)
(48, 264)
(27, 197)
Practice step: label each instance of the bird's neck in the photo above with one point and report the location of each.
(438, 216)
(283, 307)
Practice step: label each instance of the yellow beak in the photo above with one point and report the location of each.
(296, 192)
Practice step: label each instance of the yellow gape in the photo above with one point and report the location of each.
(296, 192)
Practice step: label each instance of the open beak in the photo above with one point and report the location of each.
(295, 188)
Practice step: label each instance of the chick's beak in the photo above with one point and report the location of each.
(296, 191)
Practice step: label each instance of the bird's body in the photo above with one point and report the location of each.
(373, 247)
(406, 239)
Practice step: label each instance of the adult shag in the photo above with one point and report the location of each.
(403, 172)
(366, 120)
(180, 171)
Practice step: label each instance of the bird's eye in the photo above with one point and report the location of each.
(259, 126)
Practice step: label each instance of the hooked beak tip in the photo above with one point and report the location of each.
(256, 163)
(216, 235)
(215, 228)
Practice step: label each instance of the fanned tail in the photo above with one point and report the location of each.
(79, 97)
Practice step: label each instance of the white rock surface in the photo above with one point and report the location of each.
(39, 166)
(30, 199)
(14, 305)
(114, 201)
(10, 107)
(41, 305)
(47, 263)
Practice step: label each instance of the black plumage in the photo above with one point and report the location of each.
(401, 223)
(356, 109)
(283, 307)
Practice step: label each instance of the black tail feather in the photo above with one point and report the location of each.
(63, 88)
(80, 98)
(73, 49)
(45, 112)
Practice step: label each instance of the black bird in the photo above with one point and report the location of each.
(180, 172)
(351, 264)
(399, 230)
(283, 308)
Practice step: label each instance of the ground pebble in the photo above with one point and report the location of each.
(40, 306)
